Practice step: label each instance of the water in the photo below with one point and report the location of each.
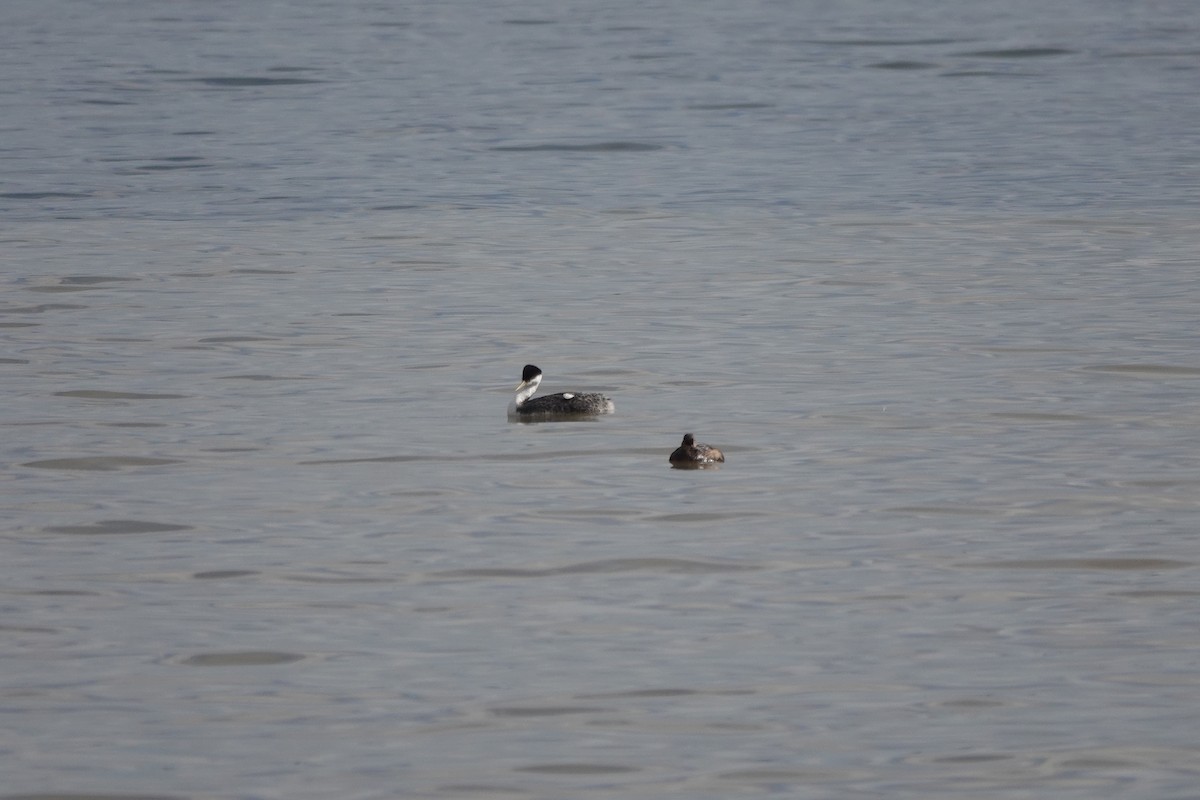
(924, 272)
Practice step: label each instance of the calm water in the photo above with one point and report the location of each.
(926, 272)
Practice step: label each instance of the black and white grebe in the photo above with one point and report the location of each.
(691, 454)
(565, 405)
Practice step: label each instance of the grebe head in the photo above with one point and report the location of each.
(688, 440)
(531, 374)
(531, 378)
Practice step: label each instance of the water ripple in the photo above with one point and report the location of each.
(99, 463)
(594, 147)
(117, 526)
(602, 566)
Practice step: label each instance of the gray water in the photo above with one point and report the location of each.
(925, 271)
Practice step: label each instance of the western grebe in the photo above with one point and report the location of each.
(691, 455)
(565, 405)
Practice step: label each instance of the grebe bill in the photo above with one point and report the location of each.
(564, 404)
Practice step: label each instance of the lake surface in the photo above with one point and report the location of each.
(925, 271)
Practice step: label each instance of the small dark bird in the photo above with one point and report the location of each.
(691, 455)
